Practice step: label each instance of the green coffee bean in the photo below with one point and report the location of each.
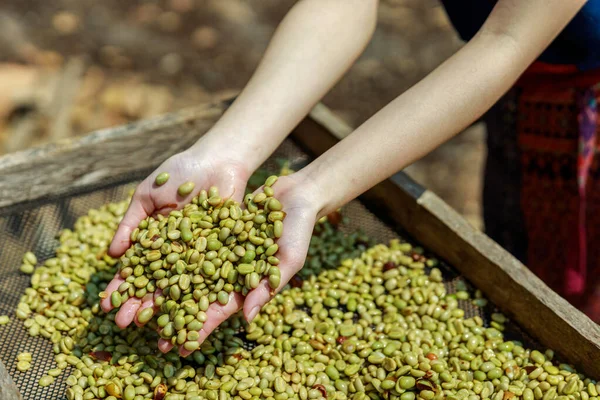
(271, 180)
(24, 357)
(537, 357)
(115, 299)
(23, 366)
(274, 277)
(46, 380)
(406, 382)
(145, 315)
(185, 188)
(191, 345)
(129, 392)
(275, 205)
(223, 297)
(30, 258)
(27, 269)
(161, 178)
(278, 229)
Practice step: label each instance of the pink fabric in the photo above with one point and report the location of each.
(587, 121)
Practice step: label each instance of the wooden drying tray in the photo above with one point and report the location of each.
(55, 170)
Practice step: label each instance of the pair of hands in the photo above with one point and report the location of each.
(205, 169)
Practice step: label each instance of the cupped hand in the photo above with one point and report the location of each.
(301, 207)
(204, 170)
(299, 203)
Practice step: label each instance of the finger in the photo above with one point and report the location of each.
(257, 298)
(147, 302)
(293, 246)
(164, 345)
(127, 312)
(239, 191)
(216, 315)
(113, 285)
(140, 207)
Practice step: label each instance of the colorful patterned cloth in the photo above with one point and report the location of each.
(542, 191)
(587, 118)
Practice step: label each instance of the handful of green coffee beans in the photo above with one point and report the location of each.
(200, 255)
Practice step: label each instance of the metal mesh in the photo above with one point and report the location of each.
(35, 226)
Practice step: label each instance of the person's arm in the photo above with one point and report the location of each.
(431, 112)
(314, 45)
(445, 102)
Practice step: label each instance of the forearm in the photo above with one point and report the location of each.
(311, 49)
(438, 107)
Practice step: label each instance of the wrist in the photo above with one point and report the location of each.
(311, 186)
(248, 143)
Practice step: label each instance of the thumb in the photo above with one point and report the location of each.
(141, 206)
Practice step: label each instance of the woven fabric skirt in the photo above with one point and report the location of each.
(542, 180)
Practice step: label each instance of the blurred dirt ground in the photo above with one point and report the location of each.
(68, 67)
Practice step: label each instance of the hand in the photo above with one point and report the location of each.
(299, 203)
(198, 164)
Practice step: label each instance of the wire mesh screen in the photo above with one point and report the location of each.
(35, 227)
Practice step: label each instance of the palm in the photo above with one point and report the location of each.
(150, 199)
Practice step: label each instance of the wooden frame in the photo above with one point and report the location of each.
(40, 174)
(108, 154)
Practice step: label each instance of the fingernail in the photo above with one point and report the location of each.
(253, 313)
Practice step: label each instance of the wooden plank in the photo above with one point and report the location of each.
(8, 389)
(502, 278)
(106, 154)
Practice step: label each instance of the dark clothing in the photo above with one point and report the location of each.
(578, 44)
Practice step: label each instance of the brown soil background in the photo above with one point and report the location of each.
(68, 67)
